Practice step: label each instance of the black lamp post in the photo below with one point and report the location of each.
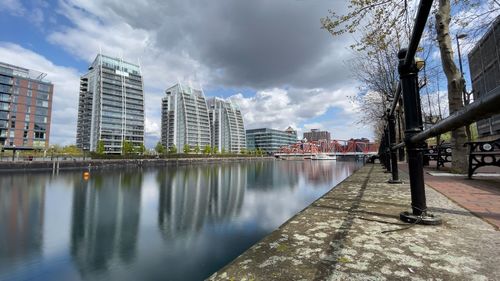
(460, 36)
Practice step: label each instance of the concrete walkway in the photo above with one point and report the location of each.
(480, 195)
(342, 236)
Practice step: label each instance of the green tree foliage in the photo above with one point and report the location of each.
(215, 150)
(141, 149)
(197, 149)
(243, 151)
(206, 149)
(186, 149)
(127, 148)
(159, 148)
(100, 147)
(172, 149)
(223, 151)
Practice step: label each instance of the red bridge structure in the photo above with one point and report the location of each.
(354, 147)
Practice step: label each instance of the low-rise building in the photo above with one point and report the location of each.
(484, 65)
(270, 140)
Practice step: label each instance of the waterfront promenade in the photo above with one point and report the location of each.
(353, 232)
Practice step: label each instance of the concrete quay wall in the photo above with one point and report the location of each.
(110, 163)
(353, 232)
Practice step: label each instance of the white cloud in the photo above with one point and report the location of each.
(14, 7)
(65, 80)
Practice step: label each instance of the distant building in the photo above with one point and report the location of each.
(484, 65)
(226, 125)
(111, 105)
(270, 140)
(184, 118)
(25, 107)
(317, 135)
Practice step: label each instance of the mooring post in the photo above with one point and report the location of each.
(393, 152)
(408, 73)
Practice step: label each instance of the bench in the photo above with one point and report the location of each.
(439, 153)
(483, 153)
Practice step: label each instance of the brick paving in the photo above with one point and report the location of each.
(480, 195)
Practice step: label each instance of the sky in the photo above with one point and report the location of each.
(270, 57)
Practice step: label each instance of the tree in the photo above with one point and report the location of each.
(243, 150)
(206, 149)
(197, 149)
(186, 149)
(127, 147)
(141, 149)
(388, 19)
(159, 148)
(215, 150)
(223, 151)
(172, 149)
(100, 147)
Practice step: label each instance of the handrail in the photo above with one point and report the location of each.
(424, 9)
(479, 109)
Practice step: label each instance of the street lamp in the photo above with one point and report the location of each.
(13, 151)
(460, 36)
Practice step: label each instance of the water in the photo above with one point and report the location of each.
(168, 223)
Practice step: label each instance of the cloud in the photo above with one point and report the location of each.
(275, 48)
(14, 7)
(65, 80)
(278, 108)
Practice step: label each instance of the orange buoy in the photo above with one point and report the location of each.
(86, 175)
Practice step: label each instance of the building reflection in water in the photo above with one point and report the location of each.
(22, 200)
(105, 220)
(324, 172)
(191, 196)
(267, 175)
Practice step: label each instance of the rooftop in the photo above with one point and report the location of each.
(18, 71)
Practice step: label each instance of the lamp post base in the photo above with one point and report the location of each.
(427, 219)
(394, 181)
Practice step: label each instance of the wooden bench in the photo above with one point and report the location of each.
(439, 153)
(483, 153)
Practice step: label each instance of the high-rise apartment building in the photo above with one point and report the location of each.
(111, 105)
(184, 118)
(25, 107)
(270, 140)
(226, 125)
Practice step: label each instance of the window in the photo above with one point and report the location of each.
(25, 134)
(29, 93)
(26, 125)
(27, 119)
(42, 96)
(43, 87)
(29, 84)
(12, 124)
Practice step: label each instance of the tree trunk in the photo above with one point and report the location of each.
(455, 84)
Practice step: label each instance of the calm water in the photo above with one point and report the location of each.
(173, 223)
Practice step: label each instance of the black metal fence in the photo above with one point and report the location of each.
(415, 135)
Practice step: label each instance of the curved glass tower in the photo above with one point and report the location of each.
(184, 118)
(226, 124)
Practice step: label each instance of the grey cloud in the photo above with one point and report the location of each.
(258, 44)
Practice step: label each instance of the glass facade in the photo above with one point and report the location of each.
(111, 105)
(184, 118)
(25, 107)
(226, 125)
(270, 140)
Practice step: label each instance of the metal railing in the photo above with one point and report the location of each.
(415, 135)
